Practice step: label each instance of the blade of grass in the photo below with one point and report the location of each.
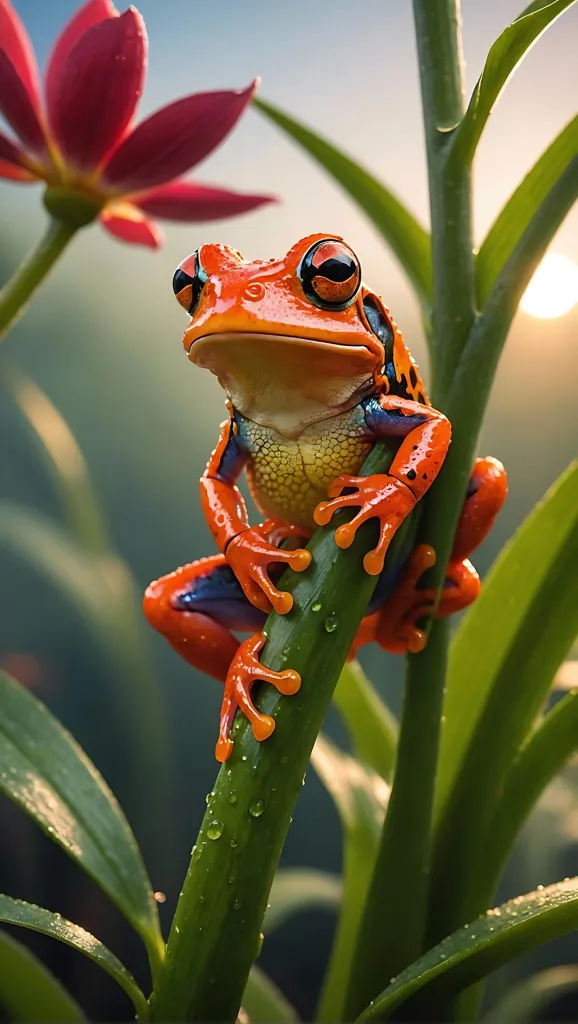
(28, 991)
(408, 240)
(264, 1003)
(45, 772)
(504, 56)
(521, 207)
(361, 797)
(475, 950)
(27, 915)
(502, 666)
(371, 724)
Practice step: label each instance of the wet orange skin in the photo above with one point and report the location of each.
(240, 301)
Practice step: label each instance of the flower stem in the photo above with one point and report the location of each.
(215, 931)
(17, 292)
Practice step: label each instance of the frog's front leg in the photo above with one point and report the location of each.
(249, 551)
(390, 496)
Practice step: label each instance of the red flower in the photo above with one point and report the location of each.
(81, 142)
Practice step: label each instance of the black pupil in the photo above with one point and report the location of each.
(337, 268)
(181, 279)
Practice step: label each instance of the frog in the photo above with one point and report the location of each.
(315, 372)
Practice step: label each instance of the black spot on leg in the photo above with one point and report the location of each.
(411, 474)
(413, 377)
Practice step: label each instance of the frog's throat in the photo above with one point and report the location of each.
(286, 382)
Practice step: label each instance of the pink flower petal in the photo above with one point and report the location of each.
(174, 139)
(190, 201)
(137, 229)
(14, 172)
(18, 108)
(89, 14)
(18, 48)
(97, 89)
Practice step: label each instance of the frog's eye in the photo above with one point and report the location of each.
(330, 274)
(188, 281)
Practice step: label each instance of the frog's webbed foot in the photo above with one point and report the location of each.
(244, 671)
(381, 496)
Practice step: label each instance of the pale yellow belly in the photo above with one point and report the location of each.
(288, 477)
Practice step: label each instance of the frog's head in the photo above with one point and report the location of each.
(304, 324)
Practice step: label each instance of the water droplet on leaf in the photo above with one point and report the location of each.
(256, 807)
(215, 829)
(330, 624)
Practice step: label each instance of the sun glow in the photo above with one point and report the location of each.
(553, 290)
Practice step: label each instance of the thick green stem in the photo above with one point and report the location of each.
(17, 292)
(215, 933)
(393, 929)
(438, 36)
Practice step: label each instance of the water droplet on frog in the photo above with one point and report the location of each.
(330, 624)
(316, 606)
(215, 829)
(237, 904)
(232, 797)
(256, 807)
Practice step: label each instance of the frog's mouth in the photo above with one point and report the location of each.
(274, 377)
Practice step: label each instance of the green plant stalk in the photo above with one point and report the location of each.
(17, 292)
(438, 36)
(392, 934)
(215, 931)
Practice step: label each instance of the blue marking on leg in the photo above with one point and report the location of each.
(220, 595)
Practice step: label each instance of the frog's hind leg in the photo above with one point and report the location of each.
(197, 608)
(396, 629)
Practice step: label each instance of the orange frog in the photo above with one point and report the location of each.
(316, 372)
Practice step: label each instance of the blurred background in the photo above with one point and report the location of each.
(103, 341)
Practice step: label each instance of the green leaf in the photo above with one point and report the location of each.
(102, 593)
(408, 240)
(479, 948)
(532, 998)
(539, 760)
(45, 772)
(27, 915)
(372, 726)
(264, 1003)
(502, 663)
(504, 56)
(521, 207)
(361, 797)
(28, 990)
(296, 889)
(63, 460)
